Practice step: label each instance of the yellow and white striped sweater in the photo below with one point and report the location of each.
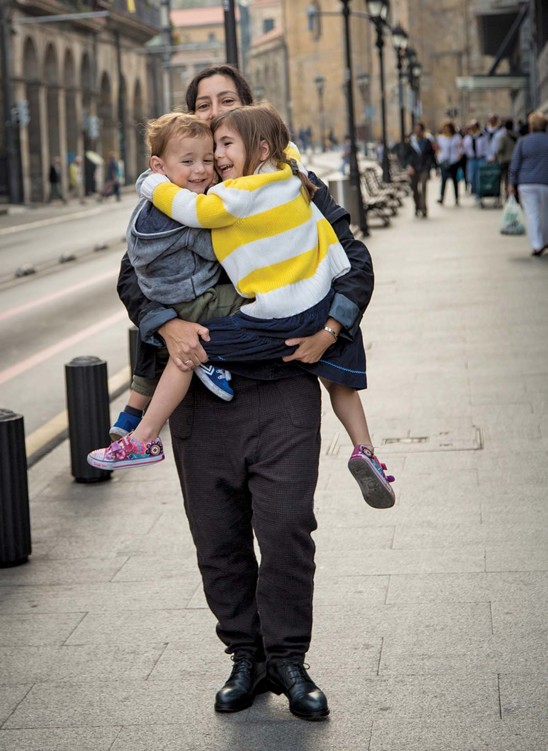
(275, 246)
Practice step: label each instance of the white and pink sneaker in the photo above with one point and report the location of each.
(369, 474)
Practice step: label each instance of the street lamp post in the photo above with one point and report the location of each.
(416, 72)
(400, 40)
(320, 83)
(165, 20)
(363, 85)
(414, 69)
(314, 26)
(231, 43)
(355, 179)
(378, 13)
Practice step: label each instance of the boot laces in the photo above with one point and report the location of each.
(297, 670)
(241, 665)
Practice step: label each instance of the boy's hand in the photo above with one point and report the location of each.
(309, 348)
(146, 188)
(182, 340)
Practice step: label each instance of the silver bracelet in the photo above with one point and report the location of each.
(332, 332)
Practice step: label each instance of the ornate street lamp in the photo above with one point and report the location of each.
(414, 69)
(400, 41)
(314, 14)
(363, 80)
(319, 82)
(378, 13)
(416, 72)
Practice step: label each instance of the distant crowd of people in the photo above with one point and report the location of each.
(496, 161)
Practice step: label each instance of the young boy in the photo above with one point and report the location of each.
(186, 269)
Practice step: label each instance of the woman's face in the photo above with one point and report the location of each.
(216, 94)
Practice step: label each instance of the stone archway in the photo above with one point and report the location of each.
(34, 131)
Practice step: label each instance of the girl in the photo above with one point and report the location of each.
(263, 211)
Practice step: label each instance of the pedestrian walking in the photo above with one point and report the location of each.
(345, 156)
(528, 173)
(505, 149)
(450, 151)
(112, 178)
(56, 182)
(475, 148)
(264, 449)
(419, 159)
(76, 179)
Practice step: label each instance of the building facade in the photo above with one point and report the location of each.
(74, 84)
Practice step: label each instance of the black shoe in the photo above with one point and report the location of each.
(245, 681)
(306, 700)
(440, 200)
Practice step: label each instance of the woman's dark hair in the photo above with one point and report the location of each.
(242, 86)
(261, 122)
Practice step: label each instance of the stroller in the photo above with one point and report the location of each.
(489, 184)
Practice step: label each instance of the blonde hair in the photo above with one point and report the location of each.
(260, 122)
(537, 121)
(174, 125)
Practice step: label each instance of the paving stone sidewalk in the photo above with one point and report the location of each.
(430, 617)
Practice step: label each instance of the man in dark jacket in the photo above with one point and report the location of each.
(55, 181)
(419, 159)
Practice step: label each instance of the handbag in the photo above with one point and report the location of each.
(512, 222)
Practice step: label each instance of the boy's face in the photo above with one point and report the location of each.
(188, 162)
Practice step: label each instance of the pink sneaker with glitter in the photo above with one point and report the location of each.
(369, 474)
(127, 453)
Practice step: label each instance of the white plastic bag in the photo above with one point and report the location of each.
(512, 218)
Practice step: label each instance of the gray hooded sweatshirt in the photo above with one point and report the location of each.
(173, 263)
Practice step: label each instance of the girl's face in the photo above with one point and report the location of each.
(230, 153)
(188, 162)
(216, 94)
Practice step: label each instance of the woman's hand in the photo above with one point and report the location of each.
(309, 348)
(182, 340)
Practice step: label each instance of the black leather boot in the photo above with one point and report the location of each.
(245, 681)
(306, 700)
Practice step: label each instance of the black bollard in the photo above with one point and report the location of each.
(133, 344)
(15, 545)
(88, 415)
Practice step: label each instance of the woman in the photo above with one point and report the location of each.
(450, 151)
(529, 172)
(263, 467)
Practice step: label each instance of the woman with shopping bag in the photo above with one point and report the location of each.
(529, 172)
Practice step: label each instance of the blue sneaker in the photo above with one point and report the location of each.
(125, 424)
(216, 380)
